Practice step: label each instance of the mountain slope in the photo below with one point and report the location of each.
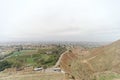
(86, 64)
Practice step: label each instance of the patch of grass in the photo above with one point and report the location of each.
(30, 61)
(110, 76)
(36, 58)
(16, 53)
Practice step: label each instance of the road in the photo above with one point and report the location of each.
(58, 62)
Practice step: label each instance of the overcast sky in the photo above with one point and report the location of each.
(69, 20)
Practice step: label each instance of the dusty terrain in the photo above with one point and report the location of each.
(91, 64)
(32, 75)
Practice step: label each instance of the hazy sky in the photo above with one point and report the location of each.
(70, 20)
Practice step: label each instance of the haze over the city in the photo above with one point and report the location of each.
(59, 20)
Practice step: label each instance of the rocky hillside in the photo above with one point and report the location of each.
(88, 65)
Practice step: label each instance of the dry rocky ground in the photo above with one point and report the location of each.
(31, 76)
(90, 64)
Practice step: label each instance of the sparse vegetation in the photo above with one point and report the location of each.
(94, 64)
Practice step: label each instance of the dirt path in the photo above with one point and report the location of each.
(34, 76)
(58, 62)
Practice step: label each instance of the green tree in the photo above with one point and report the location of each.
(4, 65)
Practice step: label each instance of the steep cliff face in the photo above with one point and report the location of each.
(83, 64)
